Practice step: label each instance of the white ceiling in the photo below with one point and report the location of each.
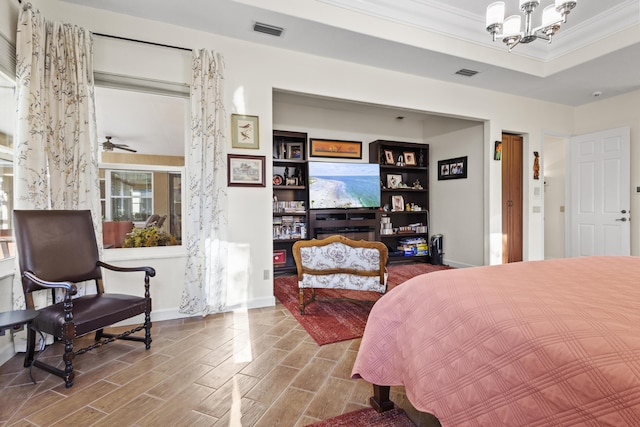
(598, 50)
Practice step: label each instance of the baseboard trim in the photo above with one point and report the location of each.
(174, 313)
(6, 352)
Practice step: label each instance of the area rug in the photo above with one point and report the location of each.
(330, 322)
(368, 417)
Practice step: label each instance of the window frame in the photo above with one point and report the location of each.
(180, 170)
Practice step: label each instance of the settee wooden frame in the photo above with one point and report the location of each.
(380, 271)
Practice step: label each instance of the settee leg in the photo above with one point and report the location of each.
(380, 400)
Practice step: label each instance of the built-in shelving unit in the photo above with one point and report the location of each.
(404, 195)
(290, 196)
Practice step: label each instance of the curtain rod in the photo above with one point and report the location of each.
(128, 39)
(142, 41)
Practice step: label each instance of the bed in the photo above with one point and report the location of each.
(537, 343)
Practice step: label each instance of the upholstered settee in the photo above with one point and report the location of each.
(339, 263)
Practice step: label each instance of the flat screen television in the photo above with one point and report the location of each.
(344, 185)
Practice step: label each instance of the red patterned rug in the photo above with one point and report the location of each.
(368, 417)
(329, 322)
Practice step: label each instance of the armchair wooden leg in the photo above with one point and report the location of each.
(68, 363)
(147, 329)
(301, 296)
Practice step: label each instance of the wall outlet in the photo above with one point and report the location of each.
(561, 208)
(265, 274)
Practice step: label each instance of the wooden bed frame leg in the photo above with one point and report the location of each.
(380, 399)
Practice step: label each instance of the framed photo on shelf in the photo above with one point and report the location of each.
(245, 131)
(388, 157)
(294, 150)
(245, 171)
(393, 180)
(409, 158)
(397, 203)
(455, 168)
(335, 148)
(280, 257)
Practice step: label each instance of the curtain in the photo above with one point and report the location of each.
(206, 224)
(56, 148)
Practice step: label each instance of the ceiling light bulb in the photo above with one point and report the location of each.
(511, 26)
(495, 13)
(550, 15)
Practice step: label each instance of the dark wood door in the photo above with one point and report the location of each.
(511, 198)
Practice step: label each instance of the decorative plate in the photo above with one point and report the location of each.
(277, 180)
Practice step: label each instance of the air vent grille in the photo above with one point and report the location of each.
(267, 29)
(466, 72)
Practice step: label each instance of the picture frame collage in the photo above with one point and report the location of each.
(455, 168)
(402, 158)
(245, 170)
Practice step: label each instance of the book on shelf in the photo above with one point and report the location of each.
(294, 206)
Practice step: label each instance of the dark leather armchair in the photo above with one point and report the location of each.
(56, 249)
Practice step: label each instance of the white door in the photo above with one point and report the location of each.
(599, 194)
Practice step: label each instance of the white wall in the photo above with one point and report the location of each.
(554, 185)
(254, 71)
(457, 207)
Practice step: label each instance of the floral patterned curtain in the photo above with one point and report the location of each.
(206, 223)
(56, 149)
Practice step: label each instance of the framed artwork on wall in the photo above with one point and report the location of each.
(455, 168)
(245, 131)
(335, 148)
(245, 171)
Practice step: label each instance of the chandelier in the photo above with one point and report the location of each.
(552, 17)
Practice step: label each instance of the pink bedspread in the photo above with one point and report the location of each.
(525, 344)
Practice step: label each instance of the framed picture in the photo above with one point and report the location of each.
(294, 150)
(497, 151)
(397, 203)
(280, 257)
(245, 131)
(245, 171)
(393, 180)
(409, 158)
(334, 148)
(388, 157)
(452, 168)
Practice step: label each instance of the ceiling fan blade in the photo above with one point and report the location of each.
(125, 148)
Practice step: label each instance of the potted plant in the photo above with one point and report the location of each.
(147, 237)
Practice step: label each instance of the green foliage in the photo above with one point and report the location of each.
(148, 236)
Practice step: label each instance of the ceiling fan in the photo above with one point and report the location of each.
(109, 146)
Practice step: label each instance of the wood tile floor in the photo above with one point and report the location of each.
(251, 368)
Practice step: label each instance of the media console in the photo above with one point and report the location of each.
(352, 223)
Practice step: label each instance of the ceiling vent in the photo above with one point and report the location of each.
(466, 72)
(267, 29)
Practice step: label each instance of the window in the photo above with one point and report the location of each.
(141, 167)
(130, 196)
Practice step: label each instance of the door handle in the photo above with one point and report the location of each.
(622, 219)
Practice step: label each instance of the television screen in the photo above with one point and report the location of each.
(344, 185)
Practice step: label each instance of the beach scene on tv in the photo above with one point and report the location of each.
(344, 185)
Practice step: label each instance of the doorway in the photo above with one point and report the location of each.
(512, 151)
